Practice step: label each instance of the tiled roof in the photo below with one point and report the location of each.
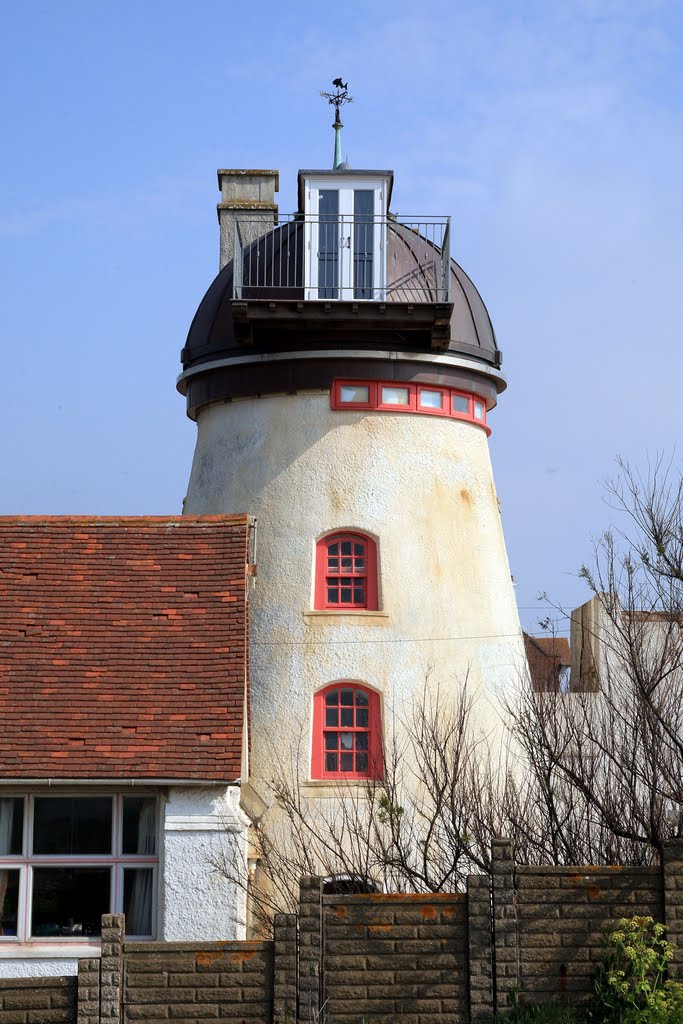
(123, 648)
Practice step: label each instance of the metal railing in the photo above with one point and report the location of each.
(342, 257)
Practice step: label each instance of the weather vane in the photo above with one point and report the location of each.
(337, 99)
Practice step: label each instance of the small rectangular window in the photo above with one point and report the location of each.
(139, 826)
(72, 826)
(431, 399)
(354, 393)
(478, 410)
(9, 900)
(138, 900)
(461, 404)
(11, 826)
(395, 396)
(69, 901)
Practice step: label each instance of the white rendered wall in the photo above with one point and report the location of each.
(201, 828)
(423, 486)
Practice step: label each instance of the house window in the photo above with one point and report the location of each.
(347, 733)
(66, 860)
(346, 572)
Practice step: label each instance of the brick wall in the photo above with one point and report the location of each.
(427, 959)
(562, 916)
(395, 957)
(37, 1001)
(188, 982)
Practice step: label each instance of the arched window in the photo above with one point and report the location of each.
(346, 572)
(347, 733)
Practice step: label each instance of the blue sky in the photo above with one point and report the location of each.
(550, 131)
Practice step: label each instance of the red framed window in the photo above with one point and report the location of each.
(346, 572)
(347, 733)
(399, 396)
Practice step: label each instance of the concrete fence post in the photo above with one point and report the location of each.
(310, 947)
(111, 968)
(88, 992)
(506, 972)
(284, 969)
(479, 947)
(672, 874)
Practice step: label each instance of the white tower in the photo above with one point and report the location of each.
(341, 369)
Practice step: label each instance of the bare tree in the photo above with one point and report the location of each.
(592, 775)
(607, 758)
(422, 824)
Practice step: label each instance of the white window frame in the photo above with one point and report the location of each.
(346, 186)
(117, 861)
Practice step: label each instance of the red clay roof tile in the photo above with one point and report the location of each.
(113, 654)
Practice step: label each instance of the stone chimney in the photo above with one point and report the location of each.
(247, 196)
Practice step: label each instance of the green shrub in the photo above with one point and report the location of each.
(631, 986)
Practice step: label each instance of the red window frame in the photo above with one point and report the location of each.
(360, 749)
(326, 570)
(375, 403)
(398, 385)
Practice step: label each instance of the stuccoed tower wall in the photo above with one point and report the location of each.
(423, 487)
(270, 444)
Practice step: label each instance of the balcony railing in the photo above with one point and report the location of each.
(335, 258)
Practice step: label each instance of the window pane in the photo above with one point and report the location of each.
(332, 563)
(346, 697)
(479, 410)
(69, 901)
(332, 717)
(363, 209)
(431, 399)
(395, 396)
(361, 762)
(360, 564)
(347, 718)
(332, 595)
(354, 393)
(361, 741)
(347, 564)
(11, 825)
(330, 762)
(331, 740)
(9, 901)
(138, 896)
(333, 549)
(345, 596)
(359, 549)
(72, 825)
(346, 762)
(332, 697)
(139, 826)
(361, 698)
(358, 595)
(362, 718)
(328, 244)
(461, 404)
(346, 547)
(346, 740)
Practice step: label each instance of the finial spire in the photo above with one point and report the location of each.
(337, 99)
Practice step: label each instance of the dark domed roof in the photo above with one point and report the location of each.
(212, 335)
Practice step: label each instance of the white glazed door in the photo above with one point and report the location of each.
(345, 242)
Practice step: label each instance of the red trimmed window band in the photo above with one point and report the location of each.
(396, 396)
(346, 572)
(347, 733)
